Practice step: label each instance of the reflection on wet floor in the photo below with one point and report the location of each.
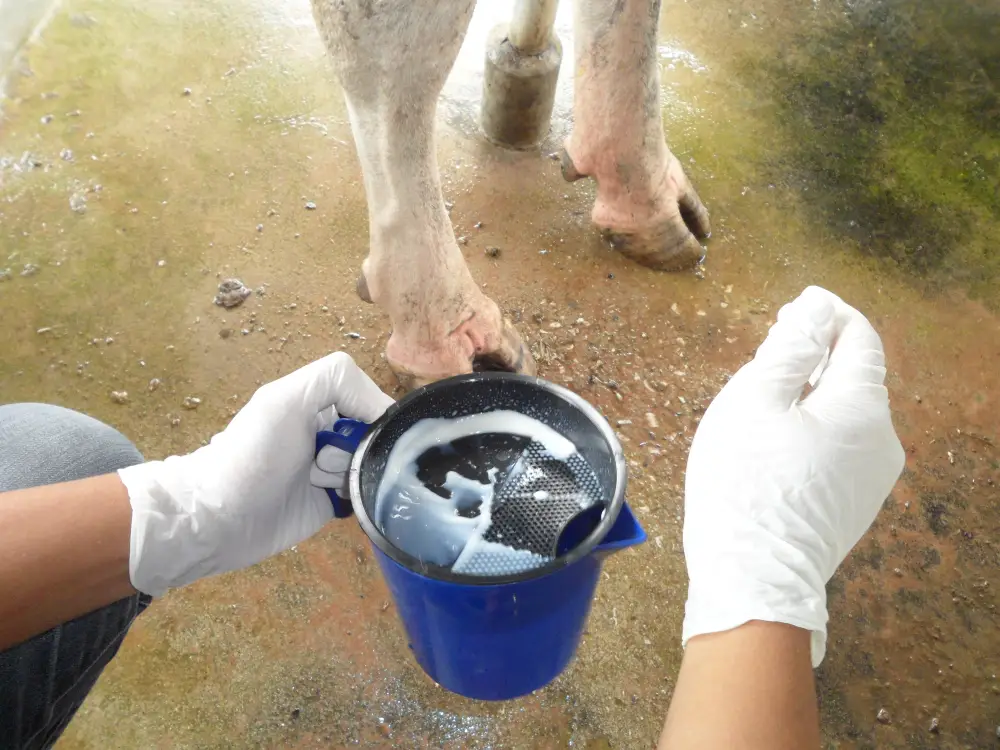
(146, 152)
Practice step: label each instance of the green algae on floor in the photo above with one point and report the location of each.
(891, 121)
(159, 177)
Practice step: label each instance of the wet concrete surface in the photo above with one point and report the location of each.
(148, 152)
(20, 19)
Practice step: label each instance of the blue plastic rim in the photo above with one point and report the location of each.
(502, 637)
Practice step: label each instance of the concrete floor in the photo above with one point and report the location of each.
(852, 145)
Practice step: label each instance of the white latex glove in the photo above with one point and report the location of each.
(246, 495)
(780, 487)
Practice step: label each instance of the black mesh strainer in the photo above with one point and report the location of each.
(534, 503)
(552, 510)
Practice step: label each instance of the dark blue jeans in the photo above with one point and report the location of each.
(44, 681)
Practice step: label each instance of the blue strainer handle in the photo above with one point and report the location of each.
(346, 434)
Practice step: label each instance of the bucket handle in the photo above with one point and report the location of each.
(346, 434)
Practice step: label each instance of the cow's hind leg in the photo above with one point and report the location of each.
(392, 58)
(645, 204)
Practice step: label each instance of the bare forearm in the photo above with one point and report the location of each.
(750, 688)
(64, 551)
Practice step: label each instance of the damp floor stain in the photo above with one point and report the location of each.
(149, 151)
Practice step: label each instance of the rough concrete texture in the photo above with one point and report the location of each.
(849, 144)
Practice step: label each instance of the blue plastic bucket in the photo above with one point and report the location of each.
(496, 638)
(501, 641)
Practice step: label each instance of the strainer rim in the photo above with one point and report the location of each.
(441, 573)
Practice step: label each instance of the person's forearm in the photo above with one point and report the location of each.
(750, 688)
(64, 552)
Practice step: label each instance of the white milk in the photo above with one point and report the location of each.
(424, 524)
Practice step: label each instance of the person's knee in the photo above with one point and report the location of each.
(43, 444)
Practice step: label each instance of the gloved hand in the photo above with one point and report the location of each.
(781, 486)
(246, 495)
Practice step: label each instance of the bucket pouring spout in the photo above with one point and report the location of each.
(626, 532)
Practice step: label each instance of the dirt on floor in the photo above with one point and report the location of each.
(149, 151)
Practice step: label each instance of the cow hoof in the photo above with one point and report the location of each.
(569, 170)
(512, 355)
(503, 351)
(361, 286)
(667, 247)
(653, 216)
(670, 241)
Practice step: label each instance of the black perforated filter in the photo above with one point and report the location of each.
(533, 504)
(565, 412)
(538, 498)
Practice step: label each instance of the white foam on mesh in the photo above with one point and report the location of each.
(433, 530)
(482, 558)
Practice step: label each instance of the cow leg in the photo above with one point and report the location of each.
(392, 58)
(645, 205)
